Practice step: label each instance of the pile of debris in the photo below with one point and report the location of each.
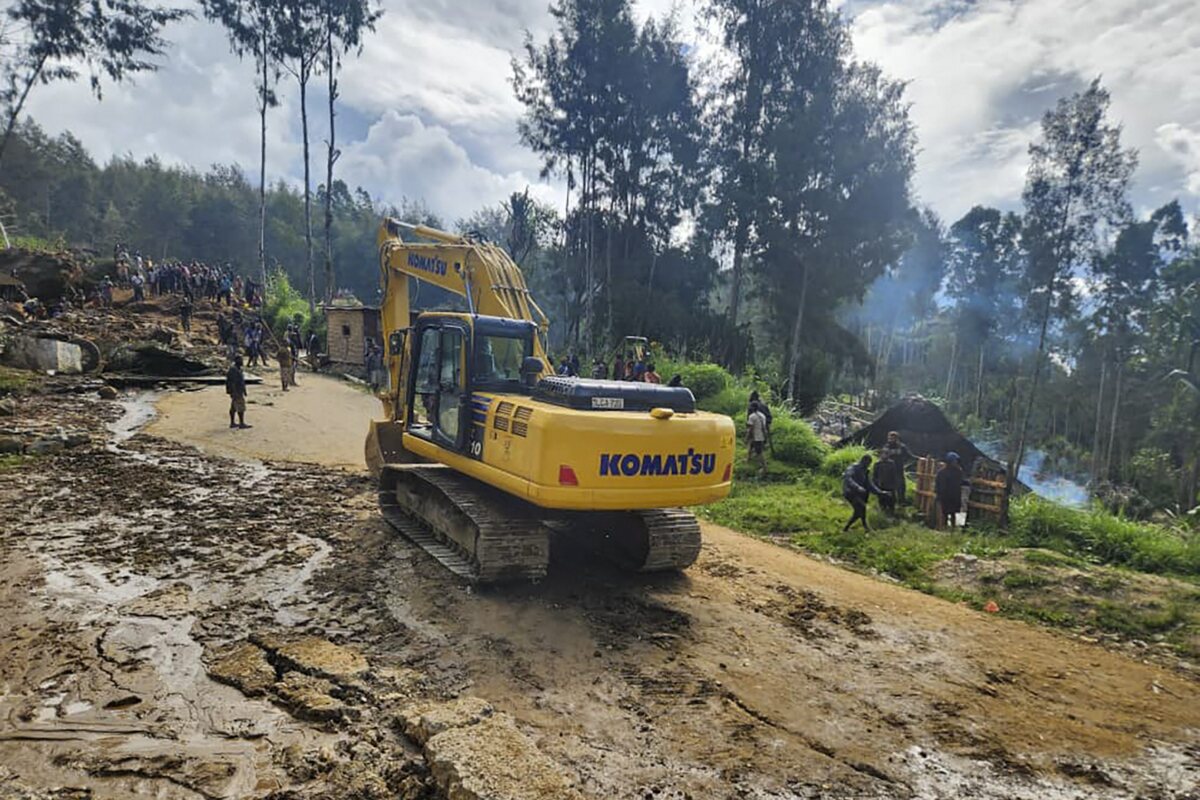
(49, 274)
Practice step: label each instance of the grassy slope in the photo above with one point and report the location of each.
(1057, 567)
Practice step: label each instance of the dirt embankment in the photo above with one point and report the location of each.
(185, 624)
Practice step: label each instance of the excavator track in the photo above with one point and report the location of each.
(479, 533)
(658, 540)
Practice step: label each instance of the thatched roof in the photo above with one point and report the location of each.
(922, 426)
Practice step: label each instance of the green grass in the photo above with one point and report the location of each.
(10, 462)
(13, 381)
(1042, 586)
(811, 512)
(1103, 537)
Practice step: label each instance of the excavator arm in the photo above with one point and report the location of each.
(480, 272)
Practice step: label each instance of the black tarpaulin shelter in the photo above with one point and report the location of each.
(923, 427)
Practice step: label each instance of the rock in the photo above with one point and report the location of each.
(492, 760)
(44, 355)
(8, 407)
(313, 655)
(422, 721)
(46, 446)
(77, 439)
(11, 444)
(107, 392)
(245, 667)
(310, 698)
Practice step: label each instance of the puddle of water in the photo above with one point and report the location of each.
(294, 583)
(139, 409)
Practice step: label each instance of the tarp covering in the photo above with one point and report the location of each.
(923, 427)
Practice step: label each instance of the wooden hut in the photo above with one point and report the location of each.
(347, 329)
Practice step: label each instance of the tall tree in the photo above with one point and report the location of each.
(51, 38)
(302, 38)
(612, 105)
(345, 23)
(253, 29)
(983, 269)
(1075, 187)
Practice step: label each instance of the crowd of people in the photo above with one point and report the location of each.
(626, 367)
(887, 482)
(193, 279)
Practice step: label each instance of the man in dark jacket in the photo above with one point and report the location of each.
(235, 387)
(898, 453)
(947, 490)
(857, 487)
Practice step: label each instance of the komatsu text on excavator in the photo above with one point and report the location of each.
(484, 451)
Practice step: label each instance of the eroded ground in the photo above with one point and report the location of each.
(179, 624)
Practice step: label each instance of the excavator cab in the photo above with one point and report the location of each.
(455, 357)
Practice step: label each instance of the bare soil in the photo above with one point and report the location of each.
(205, 616)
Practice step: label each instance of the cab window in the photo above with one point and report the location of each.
(498, 360)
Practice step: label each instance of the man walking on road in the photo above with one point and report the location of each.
(284, 356)
(235, 387)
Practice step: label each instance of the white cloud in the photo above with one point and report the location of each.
(423, 162)
(981, 74)
(427, 109)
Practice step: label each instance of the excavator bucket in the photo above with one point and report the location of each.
(385, 446)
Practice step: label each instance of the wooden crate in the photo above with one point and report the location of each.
(986, 500)
(926, 500)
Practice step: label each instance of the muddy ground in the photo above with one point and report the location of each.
(183, 622)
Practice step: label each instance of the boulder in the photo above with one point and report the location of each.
(107, 392)
(492, 760)
(46, 446)
(44, 355)
(10, 445)
(422, 721)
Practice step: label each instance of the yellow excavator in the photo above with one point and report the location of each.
(483, 450)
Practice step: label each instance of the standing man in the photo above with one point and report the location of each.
(185, 314)
(314, 351)
(898, 453)
(235, 387)
(857, 488)
(947, 490)
(284, 356)
(756, 437)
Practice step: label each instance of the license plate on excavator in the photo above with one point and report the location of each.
(617, 403)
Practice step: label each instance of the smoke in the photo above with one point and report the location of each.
(1044, 483)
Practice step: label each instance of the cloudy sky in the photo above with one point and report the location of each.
(427, 111)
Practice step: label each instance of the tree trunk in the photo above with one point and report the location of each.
(950, 372)
(1014, 470)
(1096, 443)
(1112, 427)
(262, 160)
(740, 235)
(979, 387)
(308, 249)
(332, 155)
(794, 360)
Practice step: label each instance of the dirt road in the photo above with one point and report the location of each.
(318, 421)
(187, 625)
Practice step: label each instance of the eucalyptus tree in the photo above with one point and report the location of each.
(1074, 191)
(345, 23)
(254, 30)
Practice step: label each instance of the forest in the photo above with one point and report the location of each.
(757, 212)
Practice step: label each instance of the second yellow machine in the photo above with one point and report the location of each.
(483, 450)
